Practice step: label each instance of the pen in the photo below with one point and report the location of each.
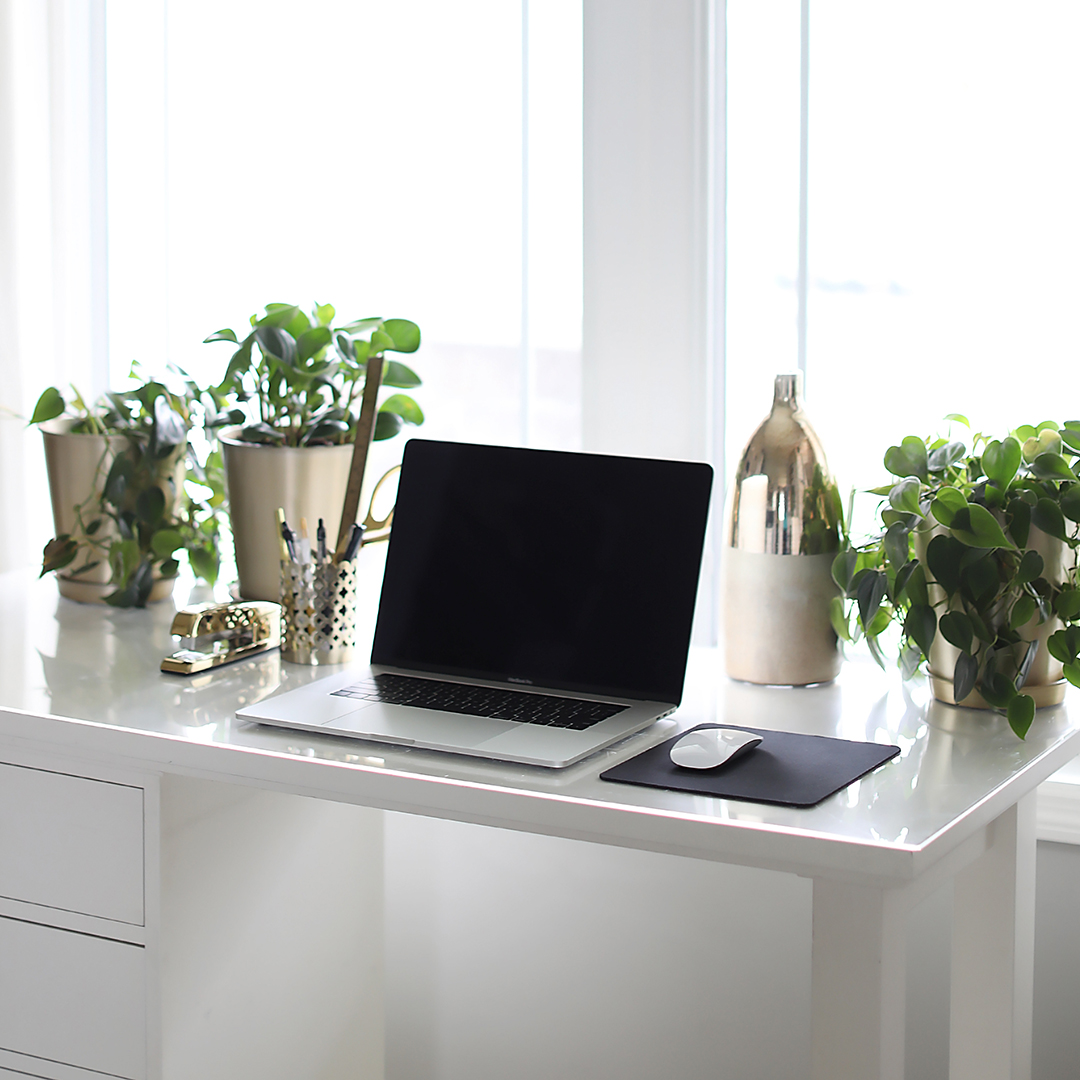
(353, 546)
(304, 550)
(287, 552)
(320, 537)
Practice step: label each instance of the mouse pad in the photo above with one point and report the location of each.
(785, 769)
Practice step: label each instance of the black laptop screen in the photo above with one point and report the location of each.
(572, 571)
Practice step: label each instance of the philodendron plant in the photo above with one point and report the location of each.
(140, 522)
(297, 380)
(954, 558)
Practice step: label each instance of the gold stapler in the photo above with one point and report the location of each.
(216, 634)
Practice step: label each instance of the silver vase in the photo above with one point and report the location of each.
(781, 536)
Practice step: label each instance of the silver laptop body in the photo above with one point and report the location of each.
(537, 583)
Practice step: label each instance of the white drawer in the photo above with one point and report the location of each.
(72, 998)
(72, 843)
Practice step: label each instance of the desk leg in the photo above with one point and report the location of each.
(993, 954)
(858, 982)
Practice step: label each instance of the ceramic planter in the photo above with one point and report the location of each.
(306, 482)
(1045, 682)
(77, 467)
(778, 552)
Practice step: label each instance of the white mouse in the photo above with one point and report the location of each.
(707, 748)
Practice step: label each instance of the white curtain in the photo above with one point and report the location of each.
(53, 307)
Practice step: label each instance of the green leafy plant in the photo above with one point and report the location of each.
(297, 380)
(140, 522)
(954, 558)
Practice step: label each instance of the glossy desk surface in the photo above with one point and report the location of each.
(84, 680)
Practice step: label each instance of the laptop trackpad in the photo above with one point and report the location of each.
(428, 727)
(317, 709)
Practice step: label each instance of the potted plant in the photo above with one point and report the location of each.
(977, 566)
(120, 507)
(292, 391)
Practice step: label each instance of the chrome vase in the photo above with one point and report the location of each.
(781, 535)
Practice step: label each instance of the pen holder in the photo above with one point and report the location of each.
(318, 612)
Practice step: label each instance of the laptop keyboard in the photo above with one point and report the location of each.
(525, 708)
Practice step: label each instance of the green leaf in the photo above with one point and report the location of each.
(380, 341)
(914, 583)
(1071, 439)
(387, 425)
(278, 315)
(1018, 520)
(956, 629)
(360, 325)
(838, 618)
(964, 675)
(221, 335)
(150, 506)
(944, 456)
(1067, 604)
(870, 588)
(1000, 460)
(921, 625)
(49, 406)
(312, 341)
(403, 406)
(117, 481)
(904, 496)
(976, 526)
(907, 459)
(165, 541)
(404, 334)
(1047, 516)
(58, 553)
(277, 342)
(1025, 432)
(960, 418)
(205, 562)
(324, 314)
(910, 658)
(396, 373)
(943, 555)
(979, 579)
(843, 569)
(948, 501)
(1072, 673)
(1052, 467)
(1021, 712)
(1023, 611)
(1069, 501)
(1031, 567)
(897, 547)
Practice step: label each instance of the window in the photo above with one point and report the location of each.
(414, 159)
(941, 220)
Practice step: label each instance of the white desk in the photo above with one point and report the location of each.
(81, 695)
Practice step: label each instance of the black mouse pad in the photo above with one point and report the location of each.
(785, 769)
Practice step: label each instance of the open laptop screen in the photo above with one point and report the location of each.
(537, 567)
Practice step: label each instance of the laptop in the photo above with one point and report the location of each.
(536, 606)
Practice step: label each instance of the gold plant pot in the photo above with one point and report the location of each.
(77, 467)
(306, 482)
(1045, 682)
(780, 541)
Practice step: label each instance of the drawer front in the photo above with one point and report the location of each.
(72, 843)
(73, 998)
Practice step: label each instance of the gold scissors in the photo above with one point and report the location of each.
(376, 529)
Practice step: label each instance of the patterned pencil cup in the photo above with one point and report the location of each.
(318, 612)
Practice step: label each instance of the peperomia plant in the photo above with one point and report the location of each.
(956, 558)
(297, 381)
(140, 521)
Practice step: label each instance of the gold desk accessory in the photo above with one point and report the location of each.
(216, 634)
